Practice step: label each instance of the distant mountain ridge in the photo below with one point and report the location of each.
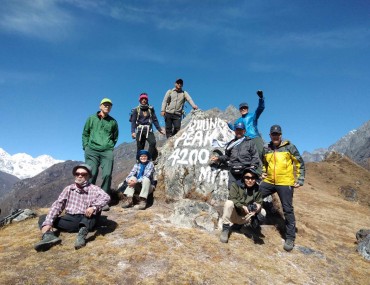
(355, 145)
(23, 165)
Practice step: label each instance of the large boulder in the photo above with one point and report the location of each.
(184, 169)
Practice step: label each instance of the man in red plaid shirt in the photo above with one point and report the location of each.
(82, 203)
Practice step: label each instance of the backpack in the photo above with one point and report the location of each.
(137, 109)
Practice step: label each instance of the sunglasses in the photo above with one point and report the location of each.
(243, 108)
(83, 174)
(249, 178)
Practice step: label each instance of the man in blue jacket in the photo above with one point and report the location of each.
(250, 120)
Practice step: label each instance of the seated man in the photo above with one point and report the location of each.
(82, 203)
(244, 204)
(141, 178)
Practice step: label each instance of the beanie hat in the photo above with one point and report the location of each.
(143, 96)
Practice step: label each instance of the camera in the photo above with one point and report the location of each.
(252, 207)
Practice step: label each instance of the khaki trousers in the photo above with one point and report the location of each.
(145, 188)
(230, 216)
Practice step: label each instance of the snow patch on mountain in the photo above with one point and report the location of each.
(23, 165)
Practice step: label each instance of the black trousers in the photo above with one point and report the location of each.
(140, 143)
(173, 124)
(286, 198)
(72, 223)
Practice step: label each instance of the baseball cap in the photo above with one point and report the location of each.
(239, 125)
(106, 100)
(275, 129)
(84, 166)
(243, 105)
(180, 81)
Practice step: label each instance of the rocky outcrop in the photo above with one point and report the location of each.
(6, 183)
(185, 172)
(363, 243)
(356, 145)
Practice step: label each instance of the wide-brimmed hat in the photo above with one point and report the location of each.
(84, 166)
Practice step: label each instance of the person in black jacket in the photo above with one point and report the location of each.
(142, 119)
(240, 153)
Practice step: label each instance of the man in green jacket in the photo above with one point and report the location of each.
(244, 204)
(99, 137)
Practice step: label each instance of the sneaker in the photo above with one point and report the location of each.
(105, 208)
(81, 238)
(127, 203)
(141, 205)
(224, 237)
(288, 245)
(48, 240)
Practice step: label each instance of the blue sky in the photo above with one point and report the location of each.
(59, 58)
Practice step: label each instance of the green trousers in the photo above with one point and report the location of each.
(104, 159)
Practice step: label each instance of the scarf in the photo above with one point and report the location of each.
(235, 143)
(141, 170)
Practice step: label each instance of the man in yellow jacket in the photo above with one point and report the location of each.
(278, 173)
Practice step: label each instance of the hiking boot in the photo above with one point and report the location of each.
(81, 238)
(255, 225)
(47, 241)
(141, 205)
(127, 203)
(289, 244)
(224, 237)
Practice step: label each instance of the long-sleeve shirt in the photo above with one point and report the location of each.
(148, 172)
(75, 201)
(175, 104)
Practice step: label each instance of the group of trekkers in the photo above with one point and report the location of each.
(255, 170)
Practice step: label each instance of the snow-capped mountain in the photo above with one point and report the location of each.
(23, 165)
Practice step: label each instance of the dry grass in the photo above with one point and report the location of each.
(144, 248)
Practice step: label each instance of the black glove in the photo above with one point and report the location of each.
(260, 93)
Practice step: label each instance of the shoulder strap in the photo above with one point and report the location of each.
(138, 113)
